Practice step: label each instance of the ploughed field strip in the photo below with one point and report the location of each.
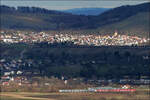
(139, 94)
(22, 96)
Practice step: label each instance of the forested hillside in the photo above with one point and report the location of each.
(74, 61)
(126, 19)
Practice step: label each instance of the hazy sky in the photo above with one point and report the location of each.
(69, 4)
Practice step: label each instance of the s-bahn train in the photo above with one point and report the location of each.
(100, 89)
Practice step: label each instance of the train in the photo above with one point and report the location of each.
(99, 89)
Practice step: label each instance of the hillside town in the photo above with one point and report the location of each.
(77, 39)
(13, 71)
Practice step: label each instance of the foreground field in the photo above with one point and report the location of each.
(138, 95)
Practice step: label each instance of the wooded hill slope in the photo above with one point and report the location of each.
(128, 19)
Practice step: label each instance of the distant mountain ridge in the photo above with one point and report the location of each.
(86, 11)
(124, 18)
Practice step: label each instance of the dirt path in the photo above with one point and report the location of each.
(21, 96)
